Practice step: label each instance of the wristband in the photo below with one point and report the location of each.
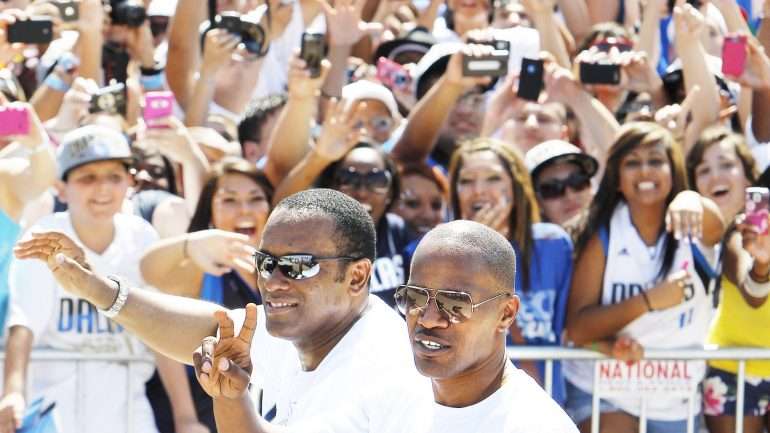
(120, 300)
(56, 83)
(152, 82)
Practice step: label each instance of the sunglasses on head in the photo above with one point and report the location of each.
(294, 266)
(375, 181)
(456, 305)
(556, 188)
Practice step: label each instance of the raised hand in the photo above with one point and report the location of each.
(223, 366)
(334, 141)
(170, 137)
(675, 117)
(343, 21)
(218, 47)
(454, 72)
(301, 84)
(217, 251)
(756, 74)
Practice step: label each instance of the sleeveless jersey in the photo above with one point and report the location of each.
(632, 267)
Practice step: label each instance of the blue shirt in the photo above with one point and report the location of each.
(543, 308)
(9, 233)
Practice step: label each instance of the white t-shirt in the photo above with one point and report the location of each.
(519, 406)
(366, 383)
(96, 394)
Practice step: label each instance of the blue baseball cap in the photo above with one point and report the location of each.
(91, 143)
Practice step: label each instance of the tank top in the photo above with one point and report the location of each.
(632, 267)
(738, 324)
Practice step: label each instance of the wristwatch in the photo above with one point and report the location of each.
(120, 300)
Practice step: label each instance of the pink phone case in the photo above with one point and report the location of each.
(734, 55)
(157, 105)
(758, 208)
(392, 74)
(14, 121)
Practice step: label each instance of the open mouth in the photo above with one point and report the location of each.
(720, 191)
(430, 345)
(646, 186)
(248, 230)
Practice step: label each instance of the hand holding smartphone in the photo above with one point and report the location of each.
(393, 75)
(14, 121)
(734, 54)
(36, 30)
(600, 73)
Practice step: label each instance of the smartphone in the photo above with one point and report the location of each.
(68, 10)
(493, 65)
(110, 100)
(157, 105)
(36, 30)
(758, 208)
(14, 121)
(734, 55)
(312, 52)
(530, 79)
(393, 75)
(600, 73)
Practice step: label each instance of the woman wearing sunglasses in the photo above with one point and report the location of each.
(652, 239)
(490, 184)
(561, 174)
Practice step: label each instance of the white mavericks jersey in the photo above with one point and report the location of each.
(91, 397)
(631, 268)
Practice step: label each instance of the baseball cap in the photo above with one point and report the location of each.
(91, 144)
(558, 151)
(418, 40)
(364, 89)
(433, 64)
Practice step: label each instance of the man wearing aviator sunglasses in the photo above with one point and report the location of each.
(561, 174)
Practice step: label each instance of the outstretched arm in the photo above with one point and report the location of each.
(170, 325)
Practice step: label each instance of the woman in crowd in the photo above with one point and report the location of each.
(424, 191)
(649, 235)
(490, 184)
(720, 166)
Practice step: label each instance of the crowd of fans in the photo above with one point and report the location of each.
(611, 142)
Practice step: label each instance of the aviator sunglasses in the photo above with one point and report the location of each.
(294, 266)
(457, 305)
(556, 188)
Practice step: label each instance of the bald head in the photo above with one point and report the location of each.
(472, 240)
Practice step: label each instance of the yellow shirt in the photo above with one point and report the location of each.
(736, 323)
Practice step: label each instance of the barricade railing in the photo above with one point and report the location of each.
(42, 356)
(549, 354)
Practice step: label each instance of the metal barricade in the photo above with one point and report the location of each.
(550, 354)
(45, 356)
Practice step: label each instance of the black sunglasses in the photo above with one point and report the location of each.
(457, 305)
(556, 188)
(375, 181)
(294, 266)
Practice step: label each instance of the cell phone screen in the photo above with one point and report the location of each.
(312, 52)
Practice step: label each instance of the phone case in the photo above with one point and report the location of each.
(758, 208)
(530, 79)
(14, 121)
(734, 55)
(37, 30)
(111, 100)
(312, 52)
(392, 74)
(157, 105)
(599, 73)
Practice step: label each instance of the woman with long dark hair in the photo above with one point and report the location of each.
(636, 283)
(490, 184)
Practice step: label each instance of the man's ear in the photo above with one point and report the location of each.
(508, 314)
(359, 273)
(61, 190)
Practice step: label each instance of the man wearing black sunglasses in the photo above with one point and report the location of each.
(561, 174)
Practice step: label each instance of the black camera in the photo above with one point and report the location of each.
(247, 27)
(127, 12)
